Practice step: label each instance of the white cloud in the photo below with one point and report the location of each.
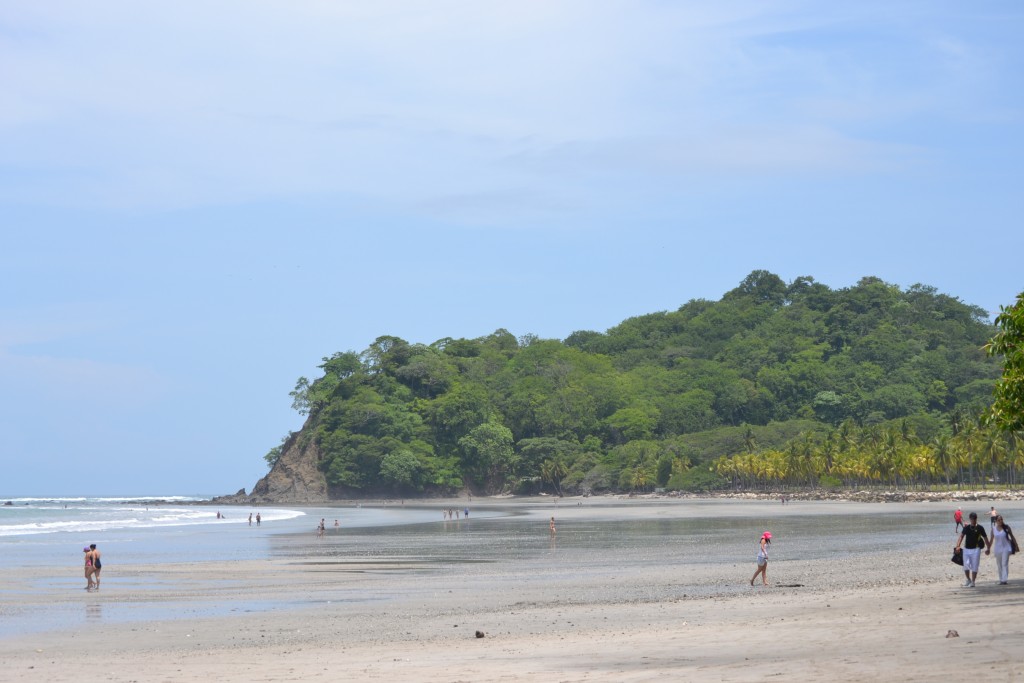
(187, 103)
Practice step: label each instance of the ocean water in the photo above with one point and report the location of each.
(142, 529)
(597, 538)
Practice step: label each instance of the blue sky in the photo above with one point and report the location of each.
(198, 201)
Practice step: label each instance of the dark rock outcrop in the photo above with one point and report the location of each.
(294, 478)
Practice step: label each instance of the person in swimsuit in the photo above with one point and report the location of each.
(762, 558)
(88, 568)
(96, 565)
(552, 526)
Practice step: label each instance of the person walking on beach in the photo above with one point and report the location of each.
(992, 514)
(958, 519)
(250, 519)
(96, 565)
(258, 519)
(762, 558)
(88, 568)
(552, 526)
(974, 541)
(1003, 544)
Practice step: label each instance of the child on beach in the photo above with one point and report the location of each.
(762, 558)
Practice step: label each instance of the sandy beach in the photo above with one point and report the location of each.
(326, 612)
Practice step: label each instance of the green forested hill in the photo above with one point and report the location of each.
(775, 382)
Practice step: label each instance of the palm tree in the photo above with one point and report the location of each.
(942, 454)
(749, 442)
(969, 438)
(553, 472)
(828, 451)
(641, 478)
(995, 447)
(1015, 457)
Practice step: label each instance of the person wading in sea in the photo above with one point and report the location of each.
(96, 565)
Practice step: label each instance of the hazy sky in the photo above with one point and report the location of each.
(198, 201)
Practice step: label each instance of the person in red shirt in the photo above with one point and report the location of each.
(958, 517)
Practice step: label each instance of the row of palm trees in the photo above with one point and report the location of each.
(972, 455)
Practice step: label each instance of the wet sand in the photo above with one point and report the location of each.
(322, 612)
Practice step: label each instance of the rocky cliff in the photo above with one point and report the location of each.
(294, 478)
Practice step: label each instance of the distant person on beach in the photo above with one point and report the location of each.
(250, 519)
(1003, 544)
(552, 526)
(96, 565)
(336, 525)
(974, 541)
(762, 558)
(88, 568)
(258, 519)
(465, 513)
(320, 528)
(958, 519)
(992, 514)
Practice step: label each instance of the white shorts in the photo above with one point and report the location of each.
(971, 559)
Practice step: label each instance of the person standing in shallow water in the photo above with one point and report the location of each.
(96, 565)
(762, 558)
(88, 569)
(974, 541)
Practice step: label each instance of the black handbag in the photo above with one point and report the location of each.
(958, 557)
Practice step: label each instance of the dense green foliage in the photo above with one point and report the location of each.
(655, 401)
(1007, 410)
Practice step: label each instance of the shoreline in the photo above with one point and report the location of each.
(846, 495)
(351, 608)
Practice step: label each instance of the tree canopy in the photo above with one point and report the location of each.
(669, 399)
(1007, 410)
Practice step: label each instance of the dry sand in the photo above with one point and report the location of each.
(873, 616)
